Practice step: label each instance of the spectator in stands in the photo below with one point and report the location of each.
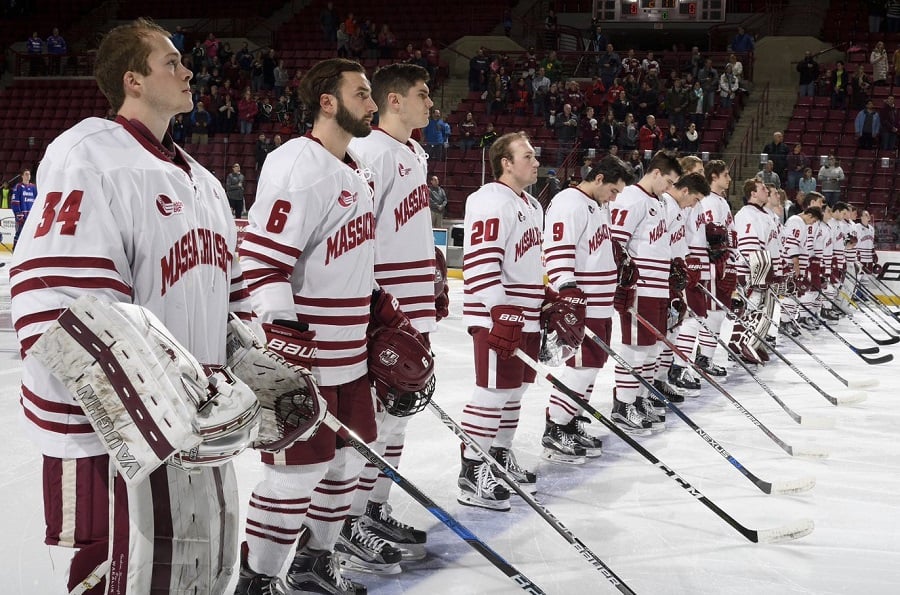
(257, 74)
(225, 53)
(895, 62)
(809, 74)
(621, 106)
(768, 175)
(487, 139)
(328, 21)
(436, 135)
(211, 45)
(742, 42)
(677, 101)
(57, 48)
(261, 151)
(890, 121)
(647, 103)
(830, 176)
(521, 98)
(649, 135)
(227, 119)
(778, 152)
(552, 66)
(607, 131)
(247, 111)
(282, 78)
(234, 190)
(5, 193)
(178, 38)
(198, 56)
(586, 167)
(540, 87)
(468, 133)
(867, 126)
(437, 201)
(566, 128)
(797, 161)
(860, 86)
(672, 141)
(709, 81)
(879, 61)
(627, 136)
(387, 42)
(350, 24)
(343, 41)
(479, 66)
(635, 163)
(691, 140)
(728, 87)
(550, 24)
(695, 62)
(245, 59)
(609, 64)
(269, 64)
(35, 49)
(737, 68)
(179, 131)
(839, 84)
(806, 183)
(876, 14)
(892, 11)
(554, 184)
(589, 135)
(697, 99)
(200, 121)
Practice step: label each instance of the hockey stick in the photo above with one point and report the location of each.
(884, 286)
(894, 339)
(765, 486)
(736, 357)
(863, 295)
(869, 382)
(871, 309)
(793, 531)
(860, 352)
(854, 398)
(809, 454)
(350, 437)
(501, 472)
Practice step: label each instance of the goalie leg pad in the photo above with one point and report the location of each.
(131, 388)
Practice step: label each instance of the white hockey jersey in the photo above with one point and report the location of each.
(837, 241)
(118, 219)
(796, 238)
(678, 222)
(502, 255)
(851, 228)
(639, 224)
(822, 245)
(755, 229)
(309, 252)
(865, 246)
(712, 209)
(577, 247)
(404, 242)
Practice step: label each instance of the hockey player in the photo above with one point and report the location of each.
(308, 256)
(839, 212)
(504, 291)
(711, 236)
(670, 378)
(639, 225)
(404, 266)
(796, 252)
(23, 196)
(865, 243)
(580, 261)
(125, 216)
(757, 253)
(813, 277)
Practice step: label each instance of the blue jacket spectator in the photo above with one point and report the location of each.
(436, 135)
(742, 42)
(56, 44)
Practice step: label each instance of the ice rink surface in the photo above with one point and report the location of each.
(640, 522)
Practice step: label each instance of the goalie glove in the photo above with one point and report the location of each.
(292, 408)
(441, 286)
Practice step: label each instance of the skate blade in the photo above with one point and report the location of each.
(356, 565)
(411, 551)
(634, 431)
(558, 457)
(476, 502)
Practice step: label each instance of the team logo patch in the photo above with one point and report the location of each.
(347, 198)
(590, 209)
(403, 171)
(167, 206)
(521, 216)
(389, 358)
(652, 211)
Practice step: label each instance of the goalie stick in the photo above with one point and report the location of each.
(872, 361)
(893, 340)
(845, 400)
(501, 472)
(736, 357)
(794, 530)
(784, 487)
(350, 437)
(794, 452)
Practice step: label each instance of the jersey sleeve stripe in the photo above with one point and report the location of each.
(254, 263)
(265, 242)
(399, 266)
(333, 302)
(57, 427)
(484, 251)
(74, 262)
(60, 281)
(50, 406)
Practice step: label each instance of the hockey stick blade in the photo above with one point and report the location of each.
(808, 453)
(874, 361)
(817, 423)
(851, 398)
(795, 530)
(796, 486)
(863, 383)
(865, 350)
(892, 341)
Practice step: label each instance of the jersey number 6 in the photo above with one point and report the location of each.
(69, 214)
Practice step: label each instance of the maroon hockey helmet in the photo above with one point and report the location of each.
(400, 368)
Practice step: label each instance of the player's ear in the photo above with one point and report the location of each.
(328, 103)
(131, 82)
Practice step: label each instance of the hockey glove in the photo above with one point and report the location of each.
(385, 311)
(726, 282)
(815, 273)
(506, 330)
(678, 276)
(441, 286)
(677, 311)
(623, 300)
(628, 272)
(717, 240)
(564, 314)
(293, 341)
(694, 267)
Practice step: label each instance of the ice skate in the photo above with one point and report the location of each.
(316, 572)
(409, 540)
(479, 487)
(560, 445)
(360, 550)
(525, 478)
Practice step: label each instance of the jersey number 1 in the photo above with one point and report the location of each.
(68, 215)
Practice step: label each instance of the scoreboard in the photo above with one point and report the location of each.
(660, 11)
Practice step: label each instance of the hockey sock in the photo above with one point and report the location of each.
(627, 386)
(374, 485)
(278, 507)
(509, 418)
(562, 409)
(714, 319)
(687, 337)
(332, 497)
(481, 416)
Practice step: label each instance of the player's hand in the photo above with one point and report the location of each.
(564, 313)
(506, 330)
(623, 299)
(293, 341)
(385, 311)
